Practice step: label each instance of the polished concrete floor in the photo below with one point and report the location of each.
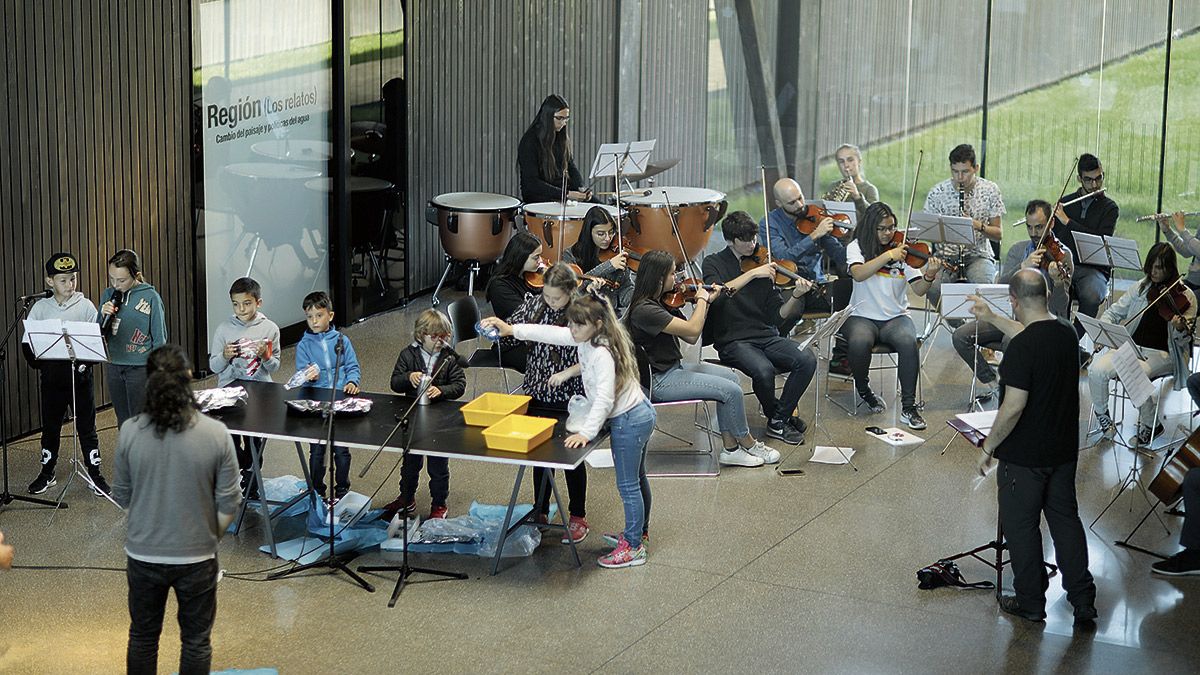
(751, 571)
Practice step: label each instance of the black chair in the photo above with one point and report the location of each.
(464, 314)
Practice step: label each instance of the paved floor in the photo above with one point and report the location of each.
(750, 571)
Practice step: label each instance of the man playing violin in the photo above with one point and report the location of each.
(852, 187)
(1096, 215)
(1160, 313)
(966, 194)
(744, 325)
(969, 336)
(788, 243)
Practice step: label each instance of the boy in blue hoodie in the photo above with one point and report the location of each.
(244, 348)
(315, 356)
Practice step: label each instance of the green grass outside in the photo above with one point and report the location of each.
(363, 49)
(1034, 137)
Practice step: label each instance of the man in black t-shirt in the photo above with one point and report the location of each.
(745, 322)
(1036, 439)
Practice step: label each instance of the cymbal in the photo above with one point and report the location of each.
(652, 169)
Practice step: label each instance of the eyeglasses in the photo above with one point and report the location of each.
(562, 118)
(1094, 181)
(440, 336)
(887, 228)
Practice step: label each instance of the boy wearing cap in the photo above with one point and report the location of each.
(67, 304)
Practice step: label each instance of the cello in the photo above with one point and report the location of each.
(1168, 484)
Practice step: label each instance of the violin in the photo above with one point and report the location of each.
(785, 270)
(685, 292)
(1172, 302)
(609, 253)
(812, 215)
(917, 253)
(537, 278)
(1055, 253)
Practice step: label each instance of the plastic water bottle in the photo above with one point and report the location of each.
(490, 332)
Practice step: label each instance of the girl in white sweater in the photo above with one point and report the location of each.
(610, 379)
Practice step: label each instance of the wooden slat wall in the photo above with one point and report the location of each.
(478, 71)
(94, 127)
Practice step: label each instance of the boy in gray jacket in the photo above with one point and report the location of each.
(245, 348)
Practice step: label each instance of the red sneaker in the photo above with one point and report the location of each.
(577, 530)
(437, 512)
(399, 505)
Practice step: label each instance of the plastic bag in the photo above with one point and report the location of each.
(221, 397)
(577, 410)
(297, 380)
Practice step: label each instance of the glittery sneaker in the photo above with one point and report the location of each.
(623, 556)
(614, 538)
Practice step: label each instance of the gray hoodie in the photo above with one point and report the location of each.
(258, 328)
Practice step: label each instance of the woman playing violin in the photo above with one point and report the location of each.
(597, 240)
(1160, 313)
(880, 301)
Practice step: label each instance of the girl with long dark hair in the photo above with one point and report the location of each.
(544, 151)
(1166, 343)
(133, 321)
(657, 329)
(597, 234)
(507, 290)
(880, 314)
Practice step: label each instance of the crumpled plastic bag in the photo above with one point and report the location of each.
(348, 406)
(577, 410)
(219, 397)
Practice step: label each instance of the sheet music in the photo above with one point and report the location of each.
(956, 304)
(1124, 253)
(45, 338)
(1105, 334)
(1129, 371)
(1090, 250)
(607, 156)
(980, 421)
(940, 229)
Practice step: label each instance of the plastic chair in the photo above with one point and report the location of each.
(464, 314)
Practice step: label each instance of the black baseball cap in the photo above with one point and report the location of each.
(61, 263)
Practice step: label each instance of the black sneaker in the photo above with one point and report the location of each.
(840, 368)
(912, 417)
(1009, 604)
(43, 482)
(798, 424)
(872, 401)
(99, 486)
(1085, 615)
(407, 507)
(785, 432)
(1186, 563)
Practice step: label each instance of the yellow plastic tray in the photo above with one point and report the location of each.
(491, 407)
(519, 433)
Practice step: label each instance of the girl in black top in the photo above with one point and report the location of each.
(552, 378)
(543, 152)
(598, 232)
(506, 290)
(656, 329)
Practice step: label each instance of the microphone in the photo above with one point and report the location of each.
(117, 299)
(35, 296)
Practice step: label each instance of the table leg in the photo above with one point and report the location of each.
(512, 502)
(264, 507)
(312, 491)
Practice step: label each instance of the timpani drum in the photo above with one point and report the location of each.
(473, 225)
(558, 226)
(696, 210)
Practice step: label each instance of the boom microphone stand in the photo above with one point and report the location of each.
(335, 562)
(404, 568)
(7, 497)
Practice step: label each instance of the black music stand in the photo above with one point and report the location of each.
(7, 497)
(404, 568)
(336, 562)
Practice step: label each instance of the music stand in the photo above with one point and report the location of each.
(957, 303)
(1102, 251)
(823, 334)
(941, 229)
(6, 495)
(616, 159)
(73, 341)
(1106, 334)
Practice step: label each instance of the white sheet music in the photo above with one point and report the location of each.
(1129, 371)
(635, 156)
(45, 338)
(957, 305)
(980, 421)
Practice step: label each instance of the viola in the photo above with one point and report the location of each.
(785, 270)
(685, 292)
(1172, 302)
(916, 253)
(812, 215)
(1055, 254)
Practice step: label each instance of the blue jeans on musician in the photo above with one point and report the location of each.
(629, 433)
(341, 469)
(761, 358)
(1090, 287)
(975, 270)
(196, 594)
(863, 334)
(704, 381)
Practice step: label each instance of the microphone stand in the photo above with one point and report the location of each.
(406, 570)
(7, 497)
(335, 562)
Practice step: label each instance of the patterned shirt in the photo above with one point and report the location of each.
(982, 203)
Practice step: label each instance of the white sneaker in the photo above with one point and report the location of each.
(740, 457)
(761, 450)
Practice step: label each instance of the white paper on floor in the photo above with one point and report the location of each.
(600, 458)
(827, 454)
(897, 436)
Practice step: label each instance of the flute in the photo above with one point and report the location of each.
(1164, 216)
(1073, 201)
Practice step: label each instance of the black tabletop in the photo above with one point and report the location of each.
(437, 429)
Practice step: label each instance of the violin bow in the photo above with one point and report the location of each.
(1046, 231)
(1165, 291)
(762, 170)
(912, 197)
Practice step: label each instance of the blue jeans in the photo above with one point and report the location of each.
(862, 334)
(196, 593)
(127, 386)
(1090, 287)
(760, 359)
(707, 382)
(630, 431)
